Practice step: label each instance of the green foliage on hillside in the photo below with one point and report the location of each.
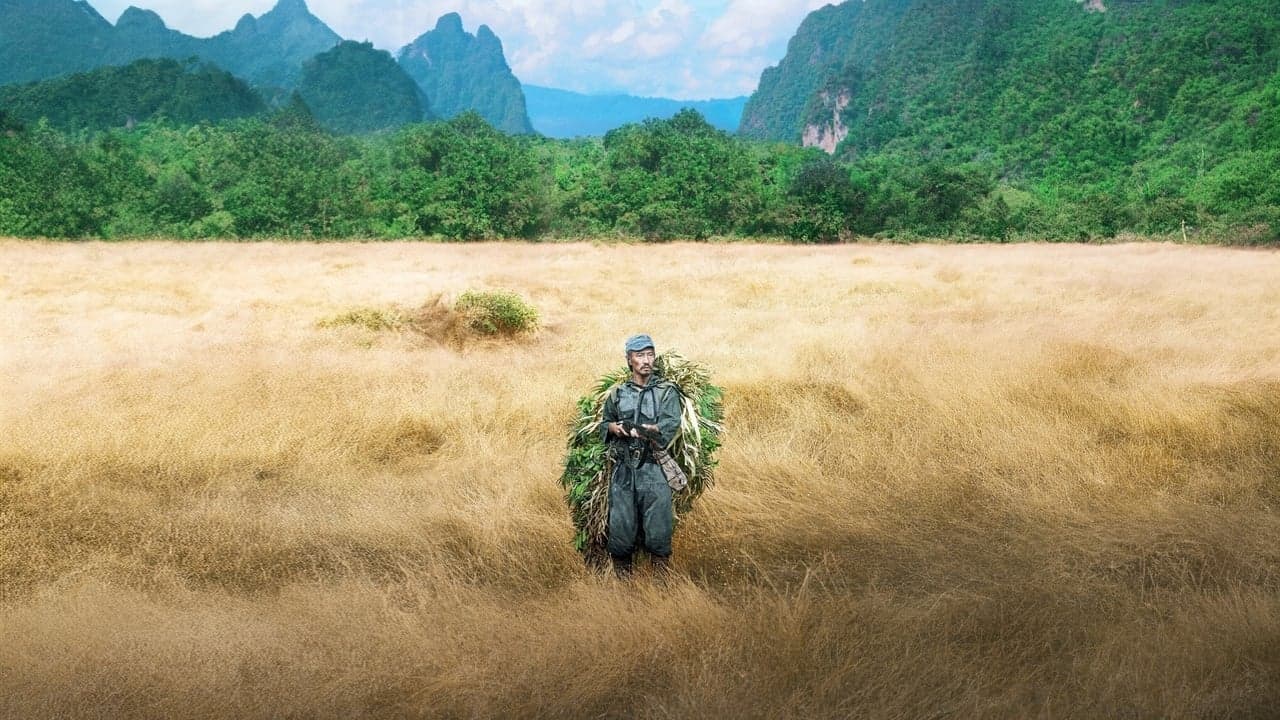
(1046, 88)
(354, 88)
(460, 179)
(824, 202)
(1039, 117)
(116, 96)
(825, 41)
(8, 123)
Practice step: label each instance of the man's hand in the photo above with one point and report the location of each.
(617, 429)
(641, 432)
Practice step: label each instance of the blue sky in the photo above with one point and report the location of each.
(685, 49)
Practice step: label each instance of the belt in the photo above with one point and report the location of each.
(633, 456)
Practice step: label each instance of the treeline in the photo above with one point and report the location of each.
(285, 177)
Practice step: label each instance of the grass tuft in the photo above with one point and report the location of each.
(374, 319)
(497, 312)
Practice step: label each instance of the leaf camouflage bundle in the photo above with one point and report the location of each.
(588, 467)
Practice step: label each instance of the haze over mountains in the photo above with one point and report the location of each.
(456, 71)
(565, 114)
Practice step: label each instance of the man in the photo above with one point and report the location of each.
(640, 512)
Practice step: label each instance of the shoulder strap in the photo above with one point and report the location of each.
(653, 398)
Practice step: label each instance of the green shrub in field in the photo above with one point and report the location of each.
(497, 313)
(375, 319)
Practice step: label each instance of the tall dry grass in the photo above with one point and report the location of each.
(980, 482)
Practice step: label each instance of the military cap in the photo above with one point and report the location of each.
(636, 343)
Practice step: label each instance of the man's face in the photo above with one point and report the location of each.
(642, 361)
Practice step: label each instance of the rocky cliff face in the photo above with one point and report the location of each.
(828, 133)
(459, 71)
(784, 105)
(776, 110)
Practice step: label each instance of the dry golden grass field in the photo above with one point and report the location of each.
(958, 482)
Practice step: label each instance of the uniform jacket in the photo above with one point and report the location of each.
(657, 403)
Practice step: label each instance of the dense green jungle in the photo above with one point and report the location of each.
(978, 121)
(284, 176)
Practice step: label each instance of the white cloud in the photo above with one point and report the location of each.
(655, 45)
(750, 25)
(645, 33)
(690, 49)
(600, 43)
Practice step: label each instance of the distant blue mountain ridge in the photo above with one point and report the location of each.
(565, 114)
(454, 70)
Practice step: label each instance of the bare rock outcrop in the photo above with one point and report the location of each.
(824, 134)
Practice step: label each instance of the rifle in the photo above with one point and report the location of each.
(644, 432)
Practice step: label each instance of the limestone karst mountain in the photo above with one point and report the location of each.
(459, 71)
(40, 39)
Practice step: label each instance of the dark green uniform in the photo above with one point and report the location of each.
(640, 512)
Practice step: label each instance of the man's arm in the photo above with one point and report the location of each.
(668, 414)
(610, 414)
